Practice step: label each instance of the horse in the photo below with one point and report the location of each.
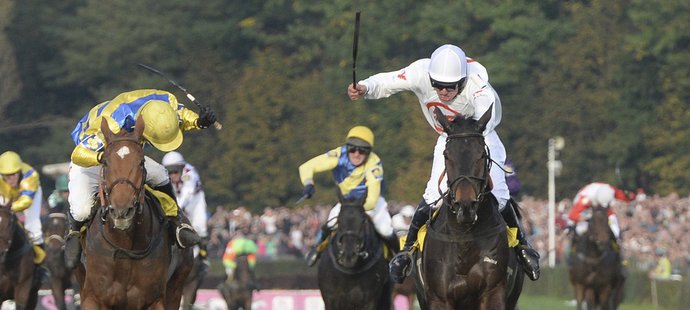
(18, 276)
(61, 278)
(129, 258)
(466, 262)
(237, 291)
(193, 282)
(596, 271)
(353, 273)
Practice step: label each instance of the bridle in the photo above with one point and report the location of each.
(479, 183)
(359, 245)
(138, 189)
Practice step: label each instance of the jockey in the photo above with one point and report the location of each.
(58, 199)
(24, 185)
(240, 245)
(457, 85)
(164, 121)
(598, 195)
(190, 194)
(358, 172)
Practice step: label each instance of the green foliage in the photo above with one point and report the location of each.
(610, 77)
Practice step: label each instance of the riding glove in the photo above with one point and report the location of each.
(308, 190)
(206, 118)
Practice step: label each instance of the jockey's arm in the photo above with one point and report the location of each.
(373, 177)
(321, 163)
(580, 205)
(27, 190)
(84, 156)
(187, 118)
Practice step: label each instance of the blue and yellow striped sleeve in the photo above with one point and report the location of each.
(321, 163)
(27, 189)
(373, 177)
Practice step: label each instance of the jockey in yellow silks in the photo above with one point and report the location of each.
(164, 118)
(22, 186)
(357, 171)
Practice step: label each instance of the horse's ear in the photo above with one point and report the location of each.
(442, 119)
(105, 129)
(481, 125)
(139, 126)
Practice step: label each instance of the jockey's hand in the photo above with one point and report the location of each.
(354, 92)
(308, 191)
(99, 157)
(206, 118)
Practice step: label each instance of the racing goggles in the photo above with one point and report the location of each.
(359, 149)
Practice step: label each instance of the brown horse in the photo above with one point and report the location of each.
(596, 272)
(18, 277)
(237, 291)
(130, 259)
(465, 260)
(61, 277)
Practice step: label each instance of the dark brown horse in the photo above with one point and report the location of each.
(408, 289)
(353, 273)
(18, 277)
(130, 259)
(193, 282)
(61, 277)
(596, 272)
(237, 291)
(465, 260)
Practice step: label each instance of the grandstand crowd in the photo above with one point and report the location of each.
(649, 225)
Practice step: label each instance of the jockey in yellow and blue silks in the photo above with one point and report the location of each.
(22, 184)
(358, 172)
(164, 121)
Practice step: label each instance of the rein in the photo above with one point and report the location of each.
(138, 189)
(60, 238)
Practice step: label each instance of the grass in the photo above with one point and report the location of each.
(528, 302)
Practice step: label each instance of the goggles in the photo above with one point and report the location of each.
(459, 85)
(359, 149)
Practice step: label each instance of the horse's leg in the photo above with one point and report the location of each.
(579, 295)
(58, 292)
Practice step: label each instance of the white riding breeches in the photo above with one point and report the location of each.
(379, 215)
(83, 185)
(196, 212)
(32, 218)
(434, 187)
(582, 226)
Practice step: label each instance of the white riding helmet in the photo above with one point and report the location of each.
(603, 196)
(448, 64)
(173, 159)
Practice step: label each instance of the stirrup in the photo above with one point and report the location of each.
(179, 229)
(530, 262)
(400, 266)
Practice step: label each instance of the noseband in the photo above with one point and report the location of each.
(479, 184)
(360, 241)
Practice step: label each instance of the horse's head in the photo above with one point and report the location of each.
(467, 164)
(6, 229)
(351, 235)
(598, 230)
(123, 173)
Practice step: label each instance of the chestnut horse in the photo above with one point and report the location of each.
(18, 277)
(130, 258)
(465, 259)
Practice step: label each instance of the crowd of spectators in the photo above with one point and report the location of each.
(648, 225)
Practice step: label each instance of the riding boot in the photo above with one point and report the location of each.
(185, 235)
(72, 242)
(400, 264)
(314, 253)
(528, 256)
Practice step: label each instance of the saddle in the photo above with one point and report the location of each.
(421, 234)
